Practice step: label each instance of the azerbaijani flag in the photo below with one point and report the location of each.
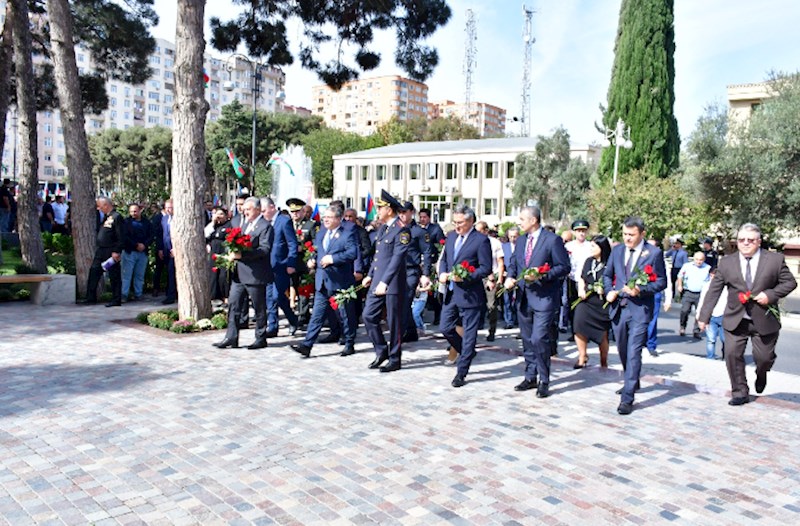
(370, 212)
(315, 215)
(206, 78)
(237, 167)
(58, 189)
(275, 159)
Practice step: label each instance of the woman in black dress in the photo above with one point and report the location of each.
(216, 245)
(591, 320)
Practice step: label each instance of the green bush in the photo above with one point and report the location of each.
(22, 268)
(159, 320)
(172, 314)
(220, 320)
(142, 317)
(58, 243)
(23, 294)
(183, 326)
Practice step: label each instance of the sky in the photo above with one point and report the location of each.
(718, 43)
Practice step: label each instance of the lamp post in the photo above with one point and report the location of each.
(255, 89)
(621, 137)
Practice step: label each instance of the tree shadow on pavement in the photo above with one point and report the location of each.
(31, 387)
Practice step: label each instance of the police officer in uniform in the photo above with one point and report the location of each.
(418, 266)
(110, 243)
(306, 231)
(387, 285)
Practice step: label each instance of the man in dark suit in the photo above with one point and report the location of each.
(283, 255)
(165, 251)
(632, 307)
(509, 303)
(464, 299)
(336, 255)
(251, 276)
(537, 299)
(418, 266)
(110, 244)
(437, 237)
(387, 285)
(766, 278)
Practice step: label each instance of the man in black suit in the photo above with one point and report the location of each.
(110, 244)
(251, 276)
(436, 236)
(765, 276)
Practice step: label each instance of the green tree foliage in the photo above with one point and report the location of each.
(347, 25)
(450, 128)
(642, 89)
(551, 178)
(321, 145)
(664, 204)
(274, 131)
(419, 129)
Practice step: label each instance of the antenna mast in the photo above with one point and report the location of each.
(470, 61)
(527, 40)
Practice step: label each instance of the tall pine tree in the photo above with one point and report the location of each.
(642, 88)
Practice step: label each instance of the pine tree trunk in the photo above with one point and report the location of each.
(30, 234)
(6, 56)
(79, 161)
(188, 164)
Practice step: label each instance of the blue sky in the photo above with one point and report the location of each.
(718, 42)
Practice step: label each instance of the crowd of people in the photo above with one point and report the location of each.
(339, 272)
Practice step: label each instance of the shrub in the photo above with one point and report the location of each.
(220, 320)
(142, 317)
(22, 268)
(204, 324)
(23, 294)
(172, 314)
(183, 326)
(159, 320)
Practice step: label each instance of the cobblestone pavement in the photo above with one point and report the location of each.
(110, 423)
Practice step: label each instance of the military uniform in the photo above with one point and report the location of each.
(110, 239)
(388, 266)
(306, 230)
(418, 264)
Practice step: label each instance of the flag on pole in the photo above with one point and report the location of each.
(237, 167)
(46, 190)
(277, 159)
(315, 215)
(58, 189)
(370, 212)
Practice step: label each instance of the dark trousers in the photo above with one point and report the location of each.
(373, 311)
(469, 319)
(172, 285)
(434, 305)
(96, 274)
(412, 280)
(535, 327)
(322, 311)
(763, 354)
(631, 339)
(158, 271)
(276, 297)
(258, 294)
(689, 299)
(673, 276)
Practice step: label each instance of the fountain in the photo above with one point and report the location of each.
(291, 176)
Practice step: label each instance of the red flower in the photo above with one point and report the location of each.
(471, 268)
(333, 304)
(544, 268)
(213, 257)
(465, 263)
(442, 241)
(299, 232)
(648, 269)
(652, 278)
(308, 244)
(744, 297)
(214, 269)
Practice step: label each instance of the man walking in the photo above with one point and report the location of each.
(418, 267)
(538, 295)
(110, 243)
(632, 305)
(138, 236)
(509, 305)
(756, 280)
(691, 278)
(283, 257)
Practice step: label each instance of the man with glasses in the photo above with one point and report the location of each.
(756, 280)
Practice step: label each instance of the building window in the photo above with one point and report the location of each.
(348, 173)
(413, 171)
(491, 170)
(490, 207)
(380, 172)
(433, 171)
(509, 208)
(365, 173)
(397, 172)
(470, 170)
(510, 170)
(450, 171)
(470, 202)
(48, 141)
(48, 170)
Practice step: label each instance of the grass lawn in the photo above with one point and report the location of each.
(10, 260)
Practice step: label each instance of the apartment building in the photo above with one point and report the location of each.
(744, 99)
(489, 120)
(361, 105)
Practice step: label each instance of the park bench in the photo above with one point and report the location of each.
(46, 289)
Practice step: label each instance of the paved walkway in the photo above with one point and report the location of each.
(107, 423)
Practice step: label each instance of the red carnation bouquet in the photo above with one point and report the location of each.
(745, 297)
(640, 276)
(235, 242)
(343, 296)
(462, 270)
(533, 272)
(309, 251)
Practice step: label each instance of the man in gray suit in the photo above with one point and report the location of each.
(251, 276)
(756, 280)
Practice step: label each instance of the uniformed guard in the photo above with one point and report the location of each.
(108, 254)
(306, 231)
(387, 285)
(418, 266)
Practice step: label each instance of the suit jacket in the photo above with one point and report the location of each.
(544, 293)
(389, 261)
(436, 236)
(283, 252)
(772, 277)
(254, 267)
(641, 306)
(477, 251)
(343, 249)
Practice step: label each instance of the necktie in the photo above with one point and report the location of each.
(629, 264)
(249, 227)
(748, 275)
(459, 242)
(528, 250)
(327, 240)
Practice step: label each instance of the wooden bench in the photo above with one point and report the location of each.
(46, 289)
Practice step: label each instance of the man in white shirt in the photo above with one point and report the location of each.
(490, 283)
(578, 249)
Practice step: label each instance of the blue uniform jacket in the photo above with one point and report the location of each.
(389, 262)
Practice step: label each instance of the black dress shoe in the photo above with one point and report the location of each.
(490, 338)
(619, 391)
(271, 334)
(377, 362)
(543, 391)
(331, 338)
(526, 385)
(625, 409)
(114, 304)
(258, 344)
(761, 381)
(390, 368)
(739, 400)
(87, 302)
(292, 330)
(302, 349)
(348, 350)
(226, 343)
(458, 381)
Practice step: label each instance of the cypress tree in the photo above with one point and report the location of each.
(642, 91)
